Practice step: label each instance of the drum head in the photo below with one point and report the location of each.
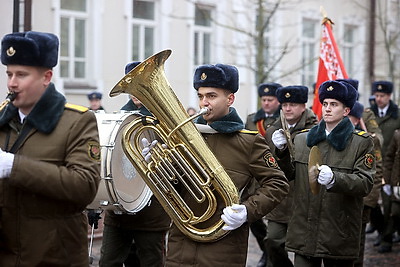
(131, 190)
(121, 188)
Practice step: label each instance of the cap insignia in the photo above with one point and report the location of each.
(330, 88)
(380, 87)
(11, 51)
(287, 95)
(266, 90)
(203, 76)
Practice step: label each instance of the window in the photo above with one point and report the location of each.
(73, 34)
(309, 51)
(143, 29)
(349, 48)
(202, 35)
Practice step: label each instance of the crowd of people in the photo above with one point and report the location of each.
(50, 161)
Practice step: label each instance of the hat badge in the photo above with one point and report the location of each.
(11, 51)
(380, 87)
(330, 88)
(203, 76)
(266, 90)
(287, 95)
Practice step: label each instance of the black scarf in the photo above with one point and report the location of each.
(229, 123)
(44, 115)
(338, 138)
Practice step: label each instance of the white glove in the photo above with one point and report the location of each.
(234, 216)
(325, 176)
(147, 148)
(387, 188)
(6, 163)
(279, 139)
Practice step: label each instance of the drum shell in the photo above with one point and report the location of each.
(121, 188)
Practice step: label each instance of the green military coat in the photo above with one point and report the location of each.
(283, 211)
(388, 124)
(55, 175)
(245, 156)
(328, 224)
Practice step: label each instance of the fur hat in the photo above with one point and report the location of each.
(30, 49)
(382, 87)
(293, 94)
(94, 95)
(341, 91)
(131, 66)
(357, 110)
(218, 76)
(353, 82)
(265, 89)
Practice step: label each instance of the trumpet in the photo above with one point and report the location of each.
(9, 98)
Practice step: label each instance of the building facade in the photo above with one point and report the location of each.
(98, 38)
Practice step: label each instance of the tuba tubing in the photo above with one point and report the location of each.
(186, 159)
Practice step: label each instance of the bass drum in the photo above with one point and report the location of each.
(121, 188)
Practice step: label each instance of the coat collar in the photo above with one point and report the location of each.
(393, 110)
(44, 115)
(338, 138)
(227, 124)
(260, 115)
(130, 106)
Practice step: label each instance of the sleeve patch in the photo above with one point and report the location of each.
(76, 107)
(270, 160)
(94, 150)
(369, 161)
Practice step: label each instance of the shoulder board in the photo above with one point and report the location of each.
(304, 130)
(76, 107)
(361, 133)
(248, 131)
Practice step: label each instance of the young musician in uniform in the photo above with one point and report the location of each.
(49, 161)
(245, 157)
(325, 227)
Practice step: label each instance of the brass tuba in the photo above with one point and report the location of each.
(182, 162)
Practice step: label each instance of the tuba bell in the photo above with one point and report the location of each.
(183, 173)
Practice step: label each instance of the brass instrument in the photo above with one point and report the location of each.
(9, 98)
(182, 162)
(314, 161)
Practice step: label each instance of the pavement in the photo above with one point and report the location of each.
(371, 259)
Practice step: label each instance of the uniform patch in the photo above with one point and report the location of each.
(94, 150)
(378, 155)
(369, 160)
(270, 160)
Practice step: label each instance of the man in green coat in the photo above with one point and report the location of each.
(325, 226)
(388, 118)
(49, 161)
(297, 117)
(260, 121)
(245, 157)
